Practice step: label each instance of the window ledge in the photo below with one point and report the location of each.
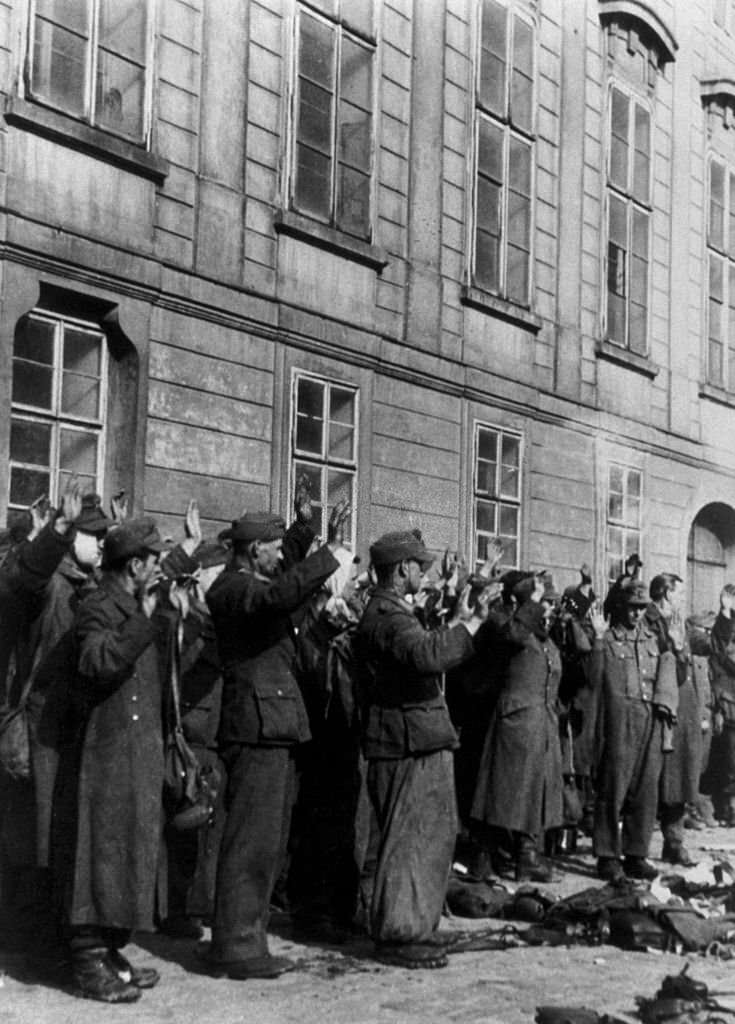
(501, 308)
(630, 360)
(717, 394)
(54, 125)
(286, 222)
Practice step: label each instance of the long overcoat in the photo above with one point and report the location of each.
(519, 785)
(108, 807)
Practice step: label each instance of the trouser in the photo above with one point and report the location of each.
(416, 812)
(628, 781)
(671, 817)
(84, 938)
(259, 799)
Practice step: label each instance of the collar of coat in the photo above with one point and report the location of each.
(639, 632)
(396, 599)
(117, 592)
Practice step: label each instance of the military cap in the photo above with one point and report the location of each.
(263, 526)
(92, 518)
(132, 536)
(634, 594)
(211, 552)
(403, 545)
(634, 560)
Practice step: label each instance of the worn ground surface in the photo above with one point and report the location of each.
(342, 985)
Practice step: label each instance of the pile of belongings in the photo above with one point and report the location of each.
(692, 911)
(680, 1000)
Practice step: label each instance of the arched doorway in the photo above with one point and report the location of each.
(710, 555)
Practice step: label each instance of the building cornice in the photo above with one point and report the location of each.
(636, 10)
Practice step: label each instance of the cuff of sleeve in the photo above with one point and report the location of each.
(178, 563)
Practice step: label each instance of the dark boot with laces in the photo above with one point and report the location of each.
(95, 978)
(141, 977)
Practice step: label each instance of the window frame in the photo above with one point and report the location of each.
(631, 203)
(505, 124)
(498, 498)
(92, 47)
(724, 253)
(341, 27)
(55, 417)
(323, 461)
(622, 524)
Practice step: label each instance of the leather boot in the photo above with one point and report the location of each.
(530, 865)
(96, 978)
(141, 977)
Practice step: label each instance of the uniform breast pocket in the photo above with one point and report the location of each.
(278, 712)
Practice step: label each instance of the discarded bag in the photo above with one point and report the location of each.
(468, 897)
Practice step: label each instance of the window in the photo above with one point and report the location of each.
(58, 407)
(504, 151)
(324, 447)
(721, 277)
(628, 224)
(623, 517)
(333, 145)
(497, 491)
(89, 58)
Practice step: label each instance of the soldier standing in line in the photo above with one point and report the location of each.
(625, 662)
(263, 719)
(722, 661)
(408, 744)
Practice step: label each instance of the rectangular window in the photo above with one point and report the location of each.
(333, 151)
(90, 59)
(324, 447)
(623, 517)
(497, 493)
(58, 408)
(504, 153)
(628, 222)
(721, 277)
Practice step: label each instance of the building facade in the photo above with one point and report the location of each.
(470, 263)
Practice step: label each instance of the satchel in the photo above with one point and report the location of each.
(15, 741)
(191, 792)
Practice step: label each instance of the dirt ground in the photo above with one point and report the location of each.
(343, 985)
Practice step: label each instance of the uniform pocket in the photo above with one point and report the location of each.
(428, 727)
(278, 712)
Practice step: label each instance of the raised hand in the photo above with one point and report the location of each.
(599, 622)
(119, 507)
(336, 525)
(192, 528)
(70, 507)
(494, 554)
(539, 586)
(40, 513)
(302, 500)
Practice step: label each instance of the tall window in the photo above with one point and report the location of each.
(497, 493)
(721, 271)
(89, 58)
(58, 408)
(324, 447)
(333, 146)
(623, 517)
(629, 222)
(504, 154)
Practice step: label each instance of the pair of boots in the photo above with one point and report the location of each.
(530, 865)
(105, 974)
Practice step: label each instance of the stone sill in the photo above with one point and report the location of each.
(630, 360)
(717, 394)
(52, 124)
(511, 312)
(286, 222)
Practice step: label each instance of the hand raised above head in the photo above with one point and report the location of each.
(336, 525)
(40, 513)
(70, 507)
(119, 507)
(302, 499)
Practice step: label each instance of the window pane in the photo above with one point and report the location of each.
(521, 99)
(642, 156)
(487, 473)
(490, 151)
(30, 442)
(80, 396)
(355, 74)
(313, 475)
(359, 14)
(510, 467)
(340, 487)
(632, 543)
(731, 329)
(313, 184)
(341, 405)
(32, 384)
(485, 516)
(315, 117)
(34, 340)
(615, 544)
(310, 416)
(619, 140)
(487, 444)
(634, 483)
(731, 218)
(508, 521)
(353, 203)
(122, 28)
(27, 484)
(59, 67)
(487, 260)
(354, 133)
(341, 424)
(517, 274)
(493, 57)
(316, 52)
(82, 352)
(78, 452)
(715, 362)
(618, 230)
(716, 204)
(120, 95)
(616, 479)
(70, 13)
(615, 506)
